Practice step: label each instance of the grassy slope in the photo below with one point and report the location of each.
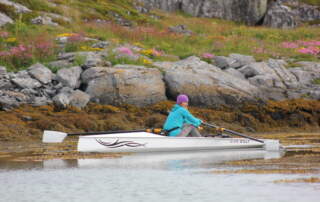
(211, 35)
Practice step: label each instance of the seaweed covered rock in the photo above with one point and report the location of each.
(125, 84)
(67, 97)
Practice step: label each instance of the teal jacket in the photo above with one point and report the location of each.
(177, 117)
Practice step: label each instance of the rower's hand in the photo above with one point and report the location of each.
(220, 129)
(200, 128)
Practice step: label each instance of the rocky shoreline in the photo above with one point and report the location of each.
(225, 81)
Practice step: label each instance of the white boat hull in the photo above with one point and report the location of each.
(148, 142)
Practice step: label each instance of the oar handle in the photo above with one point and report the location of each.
(233, 132)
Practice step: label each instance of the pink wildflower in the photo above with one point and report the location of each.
(4, 34)
(207, 55)
(289, 45)
(125, 51)
(156, 52)
(21, 51)
(4, 53)
(310, 50)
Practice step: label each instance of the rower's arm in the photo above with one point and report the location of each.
(190, 118)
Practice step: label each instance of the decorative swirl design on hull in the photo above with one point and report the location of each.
(118, 143)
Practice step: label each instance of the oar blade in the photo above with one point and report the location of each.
(50, 136)
(272, 145)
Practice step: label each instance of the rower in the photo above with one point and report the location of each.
(180, 122)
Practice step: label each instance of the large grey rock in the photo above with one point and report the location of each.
(304, 11)
(79, 99)
(4, 19)
(256, 68)
(304, 77)
(61, 100)
(12, 99)
(128, 84)
(69, 97)
(93, 60)
(310, 66)
(40, 101)
(262, 73)
(280, 16)
(241, 60)
(26, 82)
(41, 73)
(70, 76)
(5, 84)
(287, 78)
(248, 11)
(235, 73)
(262, 81)
(307, 72)
(225, 62)
(206, 84)
(18, 7)
(93, 73)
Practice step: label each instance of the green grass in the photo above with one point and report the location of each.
(38, 5)
(311, 2)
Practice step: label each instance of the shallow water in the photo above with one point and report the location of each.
(150, 177)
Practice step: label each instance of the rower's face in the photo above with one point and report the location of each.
(184, 104)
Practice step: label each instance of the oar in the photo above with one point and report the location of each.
(56, 136)
(233, 132)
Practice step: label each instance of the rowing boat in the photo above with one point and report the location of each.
(150, 142)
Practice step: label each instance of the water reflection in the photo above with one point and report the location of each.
(166, 161)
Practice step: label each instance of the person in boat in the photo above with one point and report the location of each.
(180, 121)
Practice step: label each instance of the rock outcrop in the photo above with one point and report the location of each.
(122, 84)
(275, 13)
(230, 81)
(248, 11)
(280, 16)
(206, 84)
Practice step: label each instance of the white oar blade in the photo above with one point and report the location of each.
(53, 136)
(272, 145)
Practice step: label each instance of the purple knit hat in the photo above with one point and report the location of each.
(182, 98)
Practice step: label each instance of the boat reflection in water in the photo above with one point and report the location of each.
(172, 160)
(156, 160)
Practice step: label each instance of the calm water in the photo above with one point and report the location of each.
(149, 177)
